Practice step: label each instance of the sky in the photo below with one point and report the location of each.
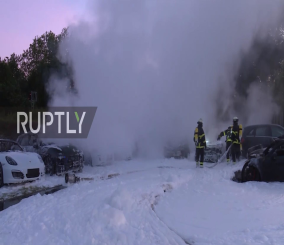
(22, 20)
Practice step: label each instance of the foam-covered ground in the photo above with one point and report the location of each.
(200, 206)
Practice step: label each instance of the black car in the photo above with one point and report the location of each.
(265, 164)
(57, 159)
(262, 134)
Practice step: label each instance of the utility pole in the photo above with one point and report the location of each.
(33, 98)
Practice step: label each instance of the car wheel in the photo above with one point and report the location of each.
(253, 174)
(250, 173)
(1, 176)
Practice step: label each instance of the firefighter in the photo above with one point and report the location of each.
(237, 131)
(200, 142)
(227, 133)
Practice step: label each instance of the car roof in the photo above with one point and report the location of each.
(259, 125)
(11, 141)
(8, 140)
(28, 133)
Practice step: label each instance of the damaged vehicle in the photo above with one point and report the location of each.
(213, 151)
(16, 165)
(57, 159)
(176, 151)
(265, 164)
(258, 134)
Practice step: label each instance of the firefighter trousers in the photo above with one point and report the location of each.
(228, 144)
(236, 152)
(199, 155)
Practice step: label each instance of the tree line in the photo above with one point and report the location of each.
(31, 70)
(263, 63)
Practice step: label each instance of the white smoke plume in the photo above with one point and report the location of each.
(260, 104)
(153, 68)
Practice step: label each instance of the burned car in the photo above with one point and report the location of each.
(178, 151)
(57, 159)
(213, 151)
(258, 134)
(265, 164)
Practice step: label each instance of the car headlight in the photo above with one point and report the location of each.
(40, 159)
(11, 161)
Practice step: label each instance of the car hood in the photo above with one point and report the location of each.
(217, 144)
(176, 147)
(25, 158)
(256, 154)
(53, 146)
(69, 150)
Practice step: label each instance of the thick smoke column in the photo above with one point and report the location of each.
(153, 68)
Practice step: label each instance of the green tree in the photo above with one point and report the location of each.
(12, 83)
(40, 61)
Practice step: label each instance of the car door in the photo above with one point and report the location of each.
(248, 138)
(258, 135)
(262, 135)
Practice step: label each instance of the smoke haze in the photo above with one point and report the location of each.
(153, 68)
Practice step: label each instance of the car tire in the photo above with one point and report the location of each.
(250, 173)
(1, 176)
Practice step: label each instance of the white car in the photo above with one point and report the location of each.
(18, 166)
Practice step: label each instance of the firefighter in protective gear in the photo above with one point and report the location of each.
(227, 133)
(237, 132)
(200, 142)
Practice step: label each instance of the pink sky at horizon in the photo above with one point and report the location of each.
(23, 20)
